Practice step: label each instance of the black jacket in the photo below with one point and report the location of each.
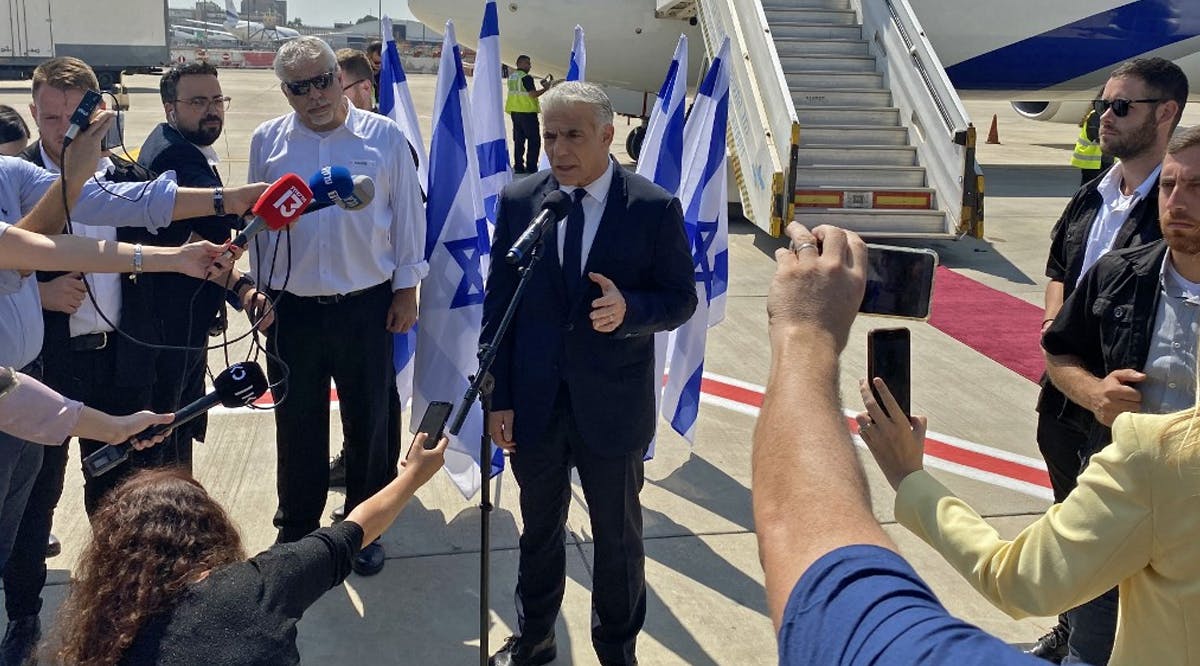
(1067, 247)
(1108, 322)
(134, 362)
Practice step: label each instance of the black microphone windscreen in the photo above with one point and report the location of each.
(557, 202)
(240, 384)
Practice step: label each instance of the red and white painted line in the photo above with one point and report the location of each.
(990, 465)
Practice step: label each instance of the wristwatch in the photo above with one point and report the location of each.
(219, 201)
(243, 281)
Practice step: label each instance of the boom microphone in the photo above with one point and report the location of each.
(555, 207)
(282, 203)
(237, 386)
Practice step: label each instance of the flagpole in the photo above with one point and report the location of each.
(480, 389)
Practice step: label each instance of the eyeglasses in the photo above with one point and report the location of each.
(351, 85)
(300, 88)
(1120, 107)
(205, 103)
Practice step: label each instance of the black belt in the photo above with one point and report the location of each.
(89, 342)
(338, 298)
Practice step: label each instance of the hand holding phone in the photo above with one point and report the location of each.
(889, 358)
(433, 423)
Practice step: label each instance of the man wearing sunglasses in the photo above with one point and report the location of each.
(1139, 108)
(194, 106)
(342, 281)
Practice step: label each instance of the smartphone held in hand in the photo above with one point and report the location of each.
(899, 282)
(889, 358)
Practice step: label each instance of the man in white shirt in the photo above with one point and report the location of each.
(343, 283)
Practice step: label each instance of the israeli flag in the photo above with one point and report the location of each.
(487, 112)
(703, 191)
(661, 161)
(452, 294)
(576, 68)
(395, 101)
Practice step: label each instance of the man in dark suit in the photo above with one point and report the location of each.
(195, 110)
(575, 376)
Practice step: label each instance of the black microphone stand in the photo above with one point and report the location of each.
(481, 389)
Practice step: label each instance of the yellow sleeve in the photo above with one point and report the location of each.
(1100, 535)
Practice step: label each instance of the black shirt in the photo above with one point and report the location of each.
(246, 613)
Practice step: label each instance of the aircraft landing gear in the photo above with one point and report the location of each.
(633, 142)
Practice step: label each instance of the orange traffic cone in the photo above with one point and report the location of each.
(993, 133)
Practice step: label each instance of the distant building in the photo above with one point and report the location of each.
(267, 12)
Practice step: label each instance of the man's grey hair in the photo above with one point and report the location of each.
(1184, 139)
(579, 92)
(303, 50)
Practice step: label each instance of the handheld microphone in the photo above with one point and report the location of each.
(283, 202)
(82, 116)
(555, 207)
(361, 194)
(237, 386)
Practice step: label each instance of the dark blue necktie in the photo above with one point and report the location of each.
(573, 246)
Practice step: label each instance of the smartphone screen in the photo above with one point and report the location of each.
(899, 281)
(888, 357)
(434, 422)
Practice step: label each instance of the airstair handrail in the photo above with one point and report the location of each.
(763, 127)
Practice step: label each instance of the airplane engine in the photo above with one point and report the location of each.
(1068, 112)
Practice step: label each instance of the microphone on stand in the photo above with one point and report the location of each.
(237, 386)
(555, 207)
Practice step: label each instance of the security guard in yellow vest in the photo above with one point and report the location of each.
(522, 105)
(1088, 157)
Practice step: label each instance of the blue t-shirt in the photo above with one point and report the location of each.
(866, 605)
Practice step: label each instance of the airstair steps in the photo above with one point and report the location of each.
(866, 198)
(817, 31)
(877, 223)
(813, 62)
(807, 15)
(859, 176)
(855, 97)
(853, 135)
(809, 155)
(788, 47)
(847, 115)
(835, 80)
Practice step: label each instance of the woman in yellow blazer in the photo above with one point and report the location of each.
(1133, 521)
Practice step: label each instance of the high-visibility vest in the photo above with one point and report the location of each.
(1087, 153)
(519, 100)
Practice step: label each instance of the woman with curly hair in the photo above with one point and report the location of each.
(165, 579)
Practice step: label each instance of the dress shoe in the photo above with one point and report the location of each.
(338, 514)
(517, 652)
(20, 641)
(337, 471)
(1053, 646)
(369, 560)
(53, 546)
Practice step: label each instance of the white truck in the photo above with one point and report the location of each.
(113, 36)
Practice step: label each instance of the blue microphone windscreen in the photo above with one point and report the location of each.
(332, 184)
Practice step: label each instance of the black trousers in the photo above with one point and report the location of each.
(611, 486)
(90, 382)
(1062, 445)
(527, 140)
(346, 341)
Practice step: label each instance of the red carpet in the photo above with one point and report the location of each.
(1003, 328)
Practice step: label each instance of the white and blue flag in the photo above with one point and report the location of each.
(395, 100)
(576, 71)
(487, 111)
(703, 192)
(452, 294)
(661, 161)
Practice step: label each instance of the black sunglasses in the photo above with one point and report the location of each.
(299, 88)
(1120, 107)
(351, 85)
